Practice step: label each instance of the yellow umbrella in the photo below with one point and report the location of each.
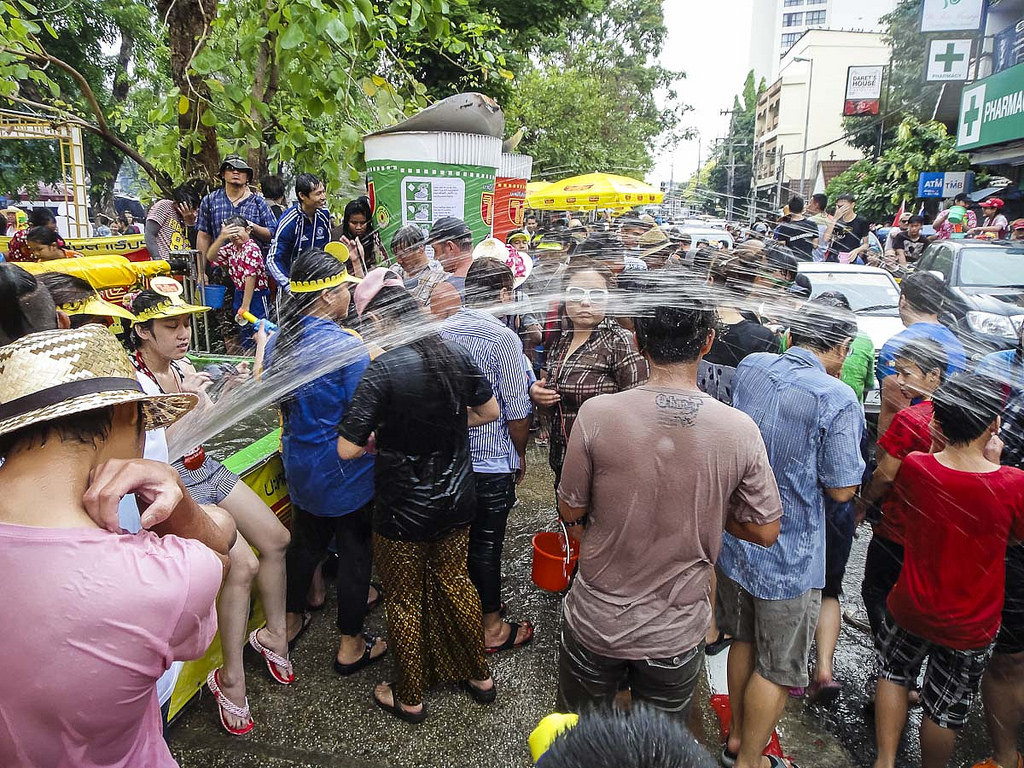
(593, 190)
(533, 187)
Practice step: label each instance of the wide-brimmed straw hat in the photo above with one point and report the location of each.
(653, 241)
(52, 374)
(172, 304)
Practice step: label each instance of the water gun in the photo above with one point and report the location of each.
(261, 323)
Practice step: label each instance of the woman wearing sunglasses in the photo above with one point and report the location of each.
(592, 356)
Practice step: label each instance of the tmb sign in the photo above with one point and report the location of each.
(944, 184)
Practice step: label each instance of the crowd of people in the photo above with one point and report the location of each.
(729, 530)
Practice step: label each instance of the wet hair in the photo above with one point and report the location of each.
(820, 200)
(915, 220)
(313, 264)
(185, 194)
(486, 279)
(305, 183)
(361, 205)
(43, 236)
(408, 238)
(674, 333)
(924, 292)
(926, 354)
(795, 204)
(40, 216)
(846, 197)
(832, 299)
(965, 406)
(67, 288)
(600, 247)
(86, 427)
(25, 304)
(640, 738)
(821, 327)
(962, 198)
(272, 187)
(236, 221)
(397, 307)
(778, 258)
(578, 266)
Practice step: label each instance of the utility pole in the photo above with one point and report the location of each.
(731, 171)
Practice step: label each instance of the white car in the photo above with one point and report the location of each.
(874, 297)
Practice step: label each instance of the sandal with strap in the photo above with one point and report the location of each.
(363, 661)
(395, 708)
(510, 641)
(226, 706)
(273, 660)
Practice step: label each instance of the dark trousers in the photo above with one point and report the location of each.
(495, 495)
(882, 568)
(311, 535)
(587, 679)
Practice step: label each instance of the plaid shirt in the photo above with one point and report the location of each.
(244, 261)
(215, 209)
(606, 363)
(422, 284)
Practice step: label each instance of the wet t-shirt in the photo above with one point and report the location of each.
(798, 236)
(423, 475)
(716, 370)
(660, 471)
(911, 248)
(909, 432)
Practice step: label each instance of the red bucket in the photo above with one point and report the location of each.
(552, 563)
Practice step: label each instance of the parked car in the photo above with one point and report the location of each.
(874, 297)
(704, 236)
(985, 280)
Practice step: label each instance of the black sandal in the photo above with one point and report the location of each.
(480, 695)
(395, 708)
(307, 619)
(370, 606)
(363, 661)
(718, 645)
(510, 641)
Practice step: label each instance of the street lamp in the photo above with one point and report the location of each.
(807, 121)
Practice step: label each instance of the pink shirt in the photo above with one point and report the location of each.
(91, 620)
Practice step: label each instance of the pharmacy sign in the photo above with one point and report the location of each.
(992, 110)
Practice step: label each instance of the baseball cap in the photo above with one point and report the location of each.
(449, 228)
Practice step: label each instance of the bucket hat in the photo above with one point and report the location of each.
(52, 374)
(236, 162)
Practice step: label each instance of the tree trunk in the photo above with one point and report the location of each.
(265, 80)
(102, 160)
(188, 26)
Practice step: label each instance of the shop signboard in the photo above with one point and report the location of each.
(948, 61)
(863, 90)
(952, 15)
(943, 185)
(992, 110)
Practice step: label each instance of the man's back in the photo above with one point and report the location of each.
(91, 620)
(798, 235)
(660, 470)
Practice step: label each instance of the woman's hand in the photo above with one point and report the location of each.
(544, 396)
(197, 383)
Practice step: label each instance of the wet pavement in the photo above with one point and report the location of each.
(325, 720)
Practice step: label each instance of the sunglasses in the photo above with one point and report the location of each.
(592, 295)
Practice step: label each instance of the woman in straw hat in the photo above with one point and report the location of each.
(92, 615)
(331, 497)
(160, 340)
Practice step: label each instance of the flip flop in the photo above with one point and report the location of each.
(779, 762)
(395, 709)
(363, 661)
(825, 693)
(307, 619)
(727, 758)
(226, 705)
(273, 660)
(479, 695)
(370, 606)
(510, 642)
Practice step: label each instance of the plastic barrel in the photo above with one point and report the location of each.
(551, 569)
(213, 295)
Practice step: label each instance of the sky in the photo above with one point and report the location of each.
(708, 41)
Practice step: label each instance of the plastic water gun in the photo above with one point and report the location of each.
(547, 730)
(261, 323)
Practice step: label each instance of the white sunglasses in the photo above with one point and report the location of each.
(593, 295)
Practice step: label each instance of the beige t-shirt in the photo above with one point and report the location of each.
(660, 471)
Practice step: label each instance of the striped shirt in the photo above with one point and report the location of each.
(216, 208)
(296, 232)
(498, 352)
(811, 424)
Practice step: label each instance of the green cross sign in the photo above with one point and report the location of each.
(971, 117)
(949, 58)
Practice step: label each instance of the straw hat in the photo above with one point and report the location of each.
(653, 241)
(51, 374)
(172, 305)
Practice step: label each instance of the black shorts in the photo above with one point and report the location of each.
(840, 524)
(951, 680)
(1010, 639)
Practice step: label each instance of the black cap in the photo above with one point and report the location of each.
(236, 162)
(449, 228)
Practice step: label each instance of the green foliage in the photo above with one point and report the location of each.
(880, 185)
(740, 140)
(589, 104)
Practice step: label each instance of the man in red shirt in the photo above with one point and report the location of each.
(920, 369)
(960, 512)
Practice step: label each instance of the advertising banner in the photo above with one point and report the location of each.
(863, 90)
(952, 15)
(941, 185)
(992, 110)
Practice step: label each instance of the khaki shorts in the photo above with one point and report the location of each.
(781, 630)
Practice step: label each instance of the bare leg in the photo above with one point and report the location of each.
(1002, 693)
(712, 634)
(264, 531)
(763, 703)
(232, 617)
(740, 668)
(826, 636)
(890, 718)
(318, 588)
(936, 744)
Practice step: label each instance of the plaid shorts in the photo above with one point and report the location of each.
(210, 484)
(950, 682)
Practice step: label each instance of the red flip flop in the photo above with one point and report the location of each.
(273, 660)
(226, 705)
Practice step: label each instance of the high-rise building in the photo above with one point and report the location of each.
(778, 24)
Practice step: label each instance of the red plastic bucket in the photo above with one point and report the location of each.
(552, 564)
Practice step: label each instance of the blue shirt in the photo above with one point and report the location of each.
(956, 360)
(812, 425)
(296, 232)
(215, 209)
(319, 481)
(498, 352)
(1005, 368)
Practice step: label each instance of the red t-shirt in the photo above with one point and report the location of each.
(908, 432)
(950, 590)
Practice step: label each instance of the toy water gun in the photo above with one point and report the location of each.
(261, 323)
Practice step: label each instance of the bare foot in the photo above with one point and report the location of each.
(234, 690)
(498, 636)
(385, 695)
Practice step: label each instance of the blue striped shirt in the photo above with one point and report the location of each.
(296, 232)
(498, 352)
(811, 424)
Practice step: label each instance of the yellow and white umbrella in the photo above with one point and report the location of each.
(592, 191)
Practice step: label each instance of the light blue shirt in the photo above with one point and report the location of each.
(812, 425)
(1005, 368)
